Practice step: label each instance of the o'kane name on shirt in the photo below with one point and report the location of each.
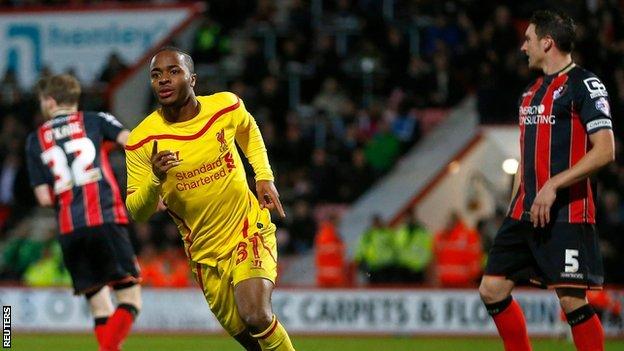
(63, 131)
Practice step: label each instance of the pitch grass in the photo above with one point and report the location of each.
(177, 342)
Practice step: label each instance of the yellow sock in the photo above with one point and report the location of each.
(274, 338)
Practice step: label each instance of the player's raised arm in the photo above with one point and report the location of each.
(145, 176)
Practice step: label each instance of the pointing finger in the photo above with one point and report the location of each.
(280, 209)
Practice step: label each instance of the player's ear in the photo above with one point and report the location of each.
(48, 102)
(547, 44)
(193, 79)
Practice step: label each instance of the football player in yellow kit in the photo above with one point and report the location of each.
(185, 154)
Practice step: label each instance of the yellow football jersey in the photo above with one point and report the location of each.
(207, 194)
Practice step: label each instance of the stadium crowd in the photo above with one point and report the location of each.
(339, 96)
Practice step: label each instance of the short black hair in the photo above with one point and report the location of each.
(558, 25)
(188, 60)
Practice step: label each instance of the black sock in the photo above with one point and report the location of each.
(580, 315)
(130, 308)
(100, 321)
(498, 307)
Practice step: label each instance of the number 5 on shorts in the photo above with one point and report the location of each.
(571, 261)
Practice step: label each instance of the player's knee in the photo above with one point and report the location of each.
(485, 293)
(570, 300)
(129, 295)
(257, 319)
(492, 292)
(100, 303)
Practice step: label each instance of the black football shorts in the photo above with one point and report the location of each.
(99, 256)
(557, 256)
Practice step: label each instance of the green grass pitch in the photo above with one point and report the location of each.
(177, 342)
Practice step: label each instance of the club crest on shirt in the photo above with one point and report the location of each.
(602, 105)
(221, 139)
(559, 92)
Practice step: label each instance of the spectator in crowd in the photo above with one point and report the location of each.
(376, 254)
(383, 149)
(443, 32)
(610, 218)
(167, 268)
(330, 99)
(405, 125)
(418, 79)
(9, 169)
(49, 269)
(458, 254)
(255, 64)
(329, 255)
(356, 177)
(397, 56)
(326, 59)
(20, 251)
(414, 245)
(152, 267)
(504, 35)
(211, 42)
(16, 199)
(271, 98)
(10, 92)
(302, 228)
(114, 66)
(446, 90)
(323, 175)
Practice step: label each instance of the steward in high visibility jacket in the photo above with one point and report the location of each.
(414, 246)
(458, 254)
(376, 253)
(329, 256)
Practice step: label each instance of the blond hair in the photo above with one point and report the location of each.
(63, 88)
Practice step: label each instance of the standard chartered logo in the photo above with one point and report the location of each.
(534, 114)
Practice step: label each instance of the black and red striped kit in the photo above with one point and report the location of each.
(557, 114)
(69, 153)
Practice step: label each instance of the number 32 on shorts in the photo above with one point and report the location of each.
(571, 261)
